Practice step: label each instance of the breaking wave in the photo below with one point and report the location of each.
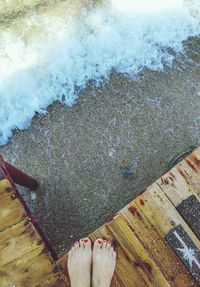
(48, 52)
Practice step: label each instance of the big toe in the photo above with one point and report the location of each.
(87, 243)
(98, 244)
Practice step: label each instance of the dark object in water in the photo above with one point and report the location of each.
(126, 172)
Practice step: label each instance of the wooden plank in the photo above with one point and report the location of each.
(159, 210)
(177, 186)
(171, 267)
(191, 179)
(62, 265)
(182, 187)
(191, 168)
(153, 206)
(4, 186)
(18, 240)
(11, 210)
(29, 270)
(136, 252)
(24, 260)
(183, 180)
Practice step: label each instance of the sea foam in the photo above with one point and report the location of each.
(49, 56)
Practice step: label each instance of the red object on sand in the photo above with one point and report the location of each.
(18, 176)
(21, 178)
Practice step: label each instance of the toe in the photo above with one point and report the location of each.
(98, 244)
(87, 243)
(105, 244)
(112, 251)
(81, 243)
(109, 245)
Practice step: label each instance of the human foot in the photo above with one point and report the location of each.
(79, 263)
(104, 261)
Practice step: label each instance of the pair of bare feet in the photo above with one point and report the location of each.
(88, 267)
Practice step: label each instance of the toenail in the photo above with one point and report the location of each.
(86, 240)
(100, 241)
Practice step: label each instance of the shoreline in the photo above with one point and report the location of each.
(78, 153)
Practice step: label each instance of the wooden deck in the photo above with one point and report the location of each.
(157, 236)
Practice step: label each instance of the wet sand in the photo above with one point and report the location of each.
(79, 153)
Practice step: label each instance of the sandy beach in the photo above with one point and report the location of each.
(81, 154)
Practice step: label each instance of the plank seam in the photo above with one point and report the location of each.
(19, 257)
(165, 194)
(2, 230)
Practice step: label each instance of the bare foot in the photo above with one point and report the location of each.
(79, 263)
(104, 261)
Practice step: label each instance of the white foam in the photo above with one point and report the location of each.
(43, 58)
(145, 6)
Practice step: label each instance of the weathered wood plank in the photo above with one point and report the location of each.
(154, 206)
(177, 186)
(24, 260)
(183, 180)
(29, 270)
(158, 249)
(182, 187)
(191, 170)
(11, 210)
(17, 241)
(159, 210)
(4, 185)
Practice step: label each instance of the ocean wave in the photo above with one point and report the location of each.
(50, 54)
